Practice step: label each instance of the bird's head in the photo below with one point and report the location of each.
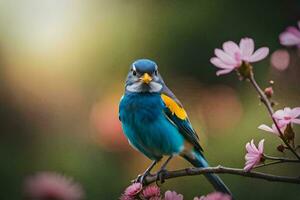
(144, 77)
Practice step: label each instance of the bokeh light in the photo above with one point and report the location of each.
(280, 59)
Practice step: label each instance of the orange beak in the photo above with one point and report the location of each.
(146, 78)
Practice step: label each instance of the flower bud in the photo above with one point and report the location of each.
(280, 148)
(269, 92)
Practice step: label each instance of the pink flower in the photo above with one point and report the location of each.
(232, 55)
(50, 185)
(133, 189)
(254, 154)
(172, 195)
(151, 191)
(155, 198)
(287, 115)
(273, 129)
(214, 196)
(291, 36)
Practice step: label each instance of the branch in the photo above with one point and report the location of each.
(276, 160)
(222, 170)
(267, 103)
(282, 159)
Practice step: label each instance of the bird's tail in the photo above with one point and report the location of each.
(197, 159)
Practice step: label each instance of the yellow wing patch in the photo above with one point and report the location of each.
(174, 107)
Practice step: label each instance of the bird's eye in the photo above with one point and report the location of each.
(134, 72)
(155, 72)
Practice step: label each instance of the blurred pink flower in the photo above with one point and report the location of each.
(254, 154)
(50, 185)
(214, 196)
(272, 129)
(232, 55)
(151, 191)
(172, 195)
(155, 198)
(287, 115)
(133, 189)
(280, 59)
(291, 36)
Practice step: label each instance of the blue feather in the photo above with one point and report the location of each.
(197, 159)
(146, 126)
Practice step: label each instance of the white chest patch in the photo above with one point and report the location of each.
(139, 87)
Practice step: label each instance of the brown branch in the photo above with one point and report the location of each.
(222, 170)
(283, 159)
(276, 160)
(267, 103)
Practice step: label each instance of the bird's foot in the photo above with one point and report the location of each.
(141, 178)
(161, 174)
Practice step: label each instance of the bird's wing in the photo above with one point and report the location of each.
(177, 115)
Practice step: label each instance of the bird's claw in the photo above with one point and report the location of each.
(161, 176)
(141, 178)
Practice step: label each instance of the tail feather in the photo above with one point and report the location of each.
(198, 160)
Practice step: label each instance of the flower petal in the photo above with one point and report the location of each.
(287, 110)
(224, 71)
(295, 112)
(247, 168)
(261, 146)
(293, 30)
(248, 147)
(227, 59)
(296, 121)
(230, 48)
(218, 63)
(259, 54)
(254, 147)
(279, 114)
(289, 39)
(265, 128)
(247, 47)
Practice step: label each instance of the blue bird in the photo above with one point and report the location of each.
(155, 122)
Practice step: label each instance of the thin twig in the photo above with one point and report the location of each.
(276, 160)
(222, 170)
(267, 103)
(283, 159)
(269, 163)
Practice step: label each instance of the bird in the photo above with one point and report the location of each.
(156, 124)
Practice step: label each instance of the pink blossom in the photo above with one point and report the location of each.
(172, 195)
(50, 185)
(155, 198)
(232, 55)
(151, 191)
(133, 189)
(273, 129)
(214, 196)
(291, 36)
(254, 154)
(287, 115)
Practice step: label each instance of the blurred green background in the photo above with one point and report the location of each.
(62, 70)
